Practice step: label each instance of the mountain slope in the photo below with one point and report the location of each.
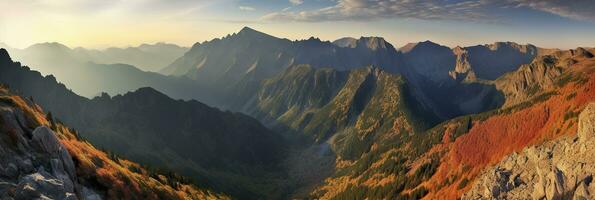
(234, 67)
(355, 115)
(539, 75)
(443, 162)
(547, 115)
(322, 102)
(41, 163)
(485, 62)
(192, 138)
(493, 60)
(225, 64)
(558, 169)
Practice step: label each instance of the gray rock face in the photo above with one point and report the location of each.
(61, 163)
(522, 84)
(33, 163)
(42, 185)
(560, 169)
(586, 126)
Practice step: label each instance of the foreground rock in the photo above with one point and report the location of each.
(560, 169)
(33, 163)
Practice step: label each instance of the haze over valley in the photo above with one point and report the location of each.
(258, 106)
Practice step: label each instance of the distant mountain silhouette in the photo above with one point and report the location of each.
(73, 68)
(149, 127)
(147, 57)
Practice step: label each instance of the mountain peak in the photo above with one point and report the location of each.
(425, 46)
(408, 47)
(49, 45)
(144, 94)
(581, 52)
(148, 90)
(346, 42)
(428, 43)
(248, 32)
(4, 56)
(511, 45)
(374, 43)
(247, 29)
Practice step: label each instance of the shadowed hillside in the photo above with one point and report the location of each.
(39, 162)
(149, 127)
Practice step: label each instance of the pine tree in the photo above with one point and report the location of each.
(50, 118)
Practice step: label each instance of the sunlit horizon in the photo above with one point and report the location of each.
(102, 24)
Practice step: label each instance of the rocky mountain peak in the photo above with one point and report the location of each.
(374, 43)
(346, 42)
(4, 55)
(458, 50)
(427, 47)
(249, 33)
(462, 69)
(581, 52)
(407, 47)
(528, 48)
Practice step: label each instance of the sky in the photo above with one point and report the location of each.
(120, 23)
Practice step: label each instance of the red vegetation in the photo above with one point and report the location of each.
(491, 140)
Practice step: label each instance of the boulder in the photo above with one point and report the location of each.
(61, 162)
(42, 185)
(46, 140)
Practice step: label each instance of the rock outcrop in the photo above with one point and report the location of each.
(462, 70)
(542, 74)
(559, 169)
(33, 163)
(586, 124)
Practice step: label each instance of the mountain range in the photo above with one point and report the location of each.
(147, 57)
(186, 136)
(349, 119)
(44, 159)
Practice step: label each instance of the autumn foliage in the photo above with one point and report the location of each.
(491, 139)
(111, 176)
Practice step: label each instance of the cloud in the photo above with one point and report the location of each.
(296, 2)
(377, 9)
(575, 9)
(467, 10)
(247, 8)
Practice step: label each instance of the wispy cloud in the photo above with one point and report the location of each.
(247, 8)
(575, 9)
(296, 2)
(468, 10)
